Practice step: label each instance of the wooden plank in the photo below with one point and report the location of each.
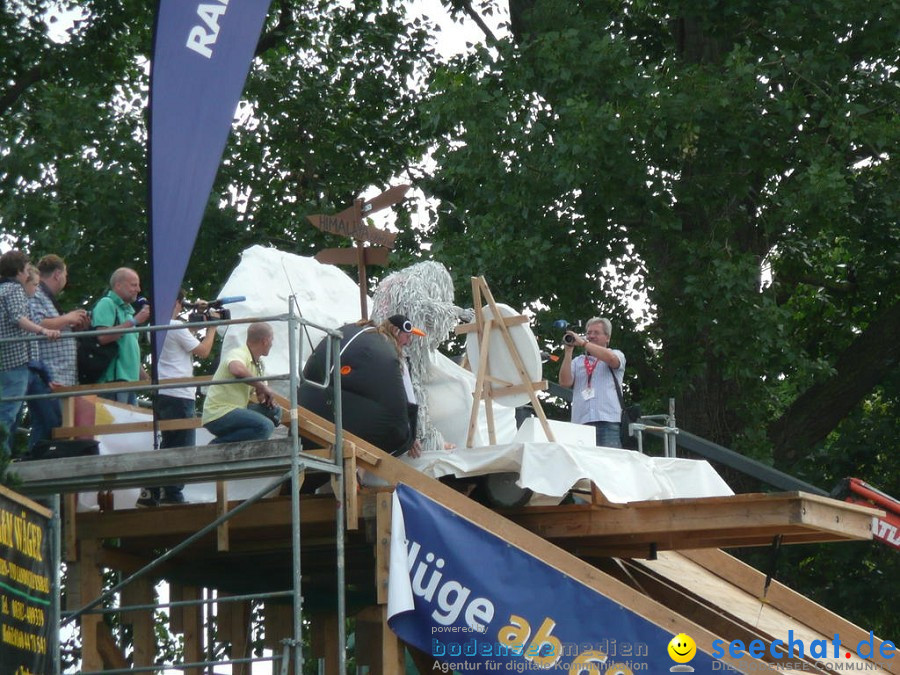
(745, 608)
(89, 583)
(145, 469)
(278, 623)
(716, 617)
(193, 633)
(126, 428)
(691, 518)
(324, 627)
(240, 636)
(225, 619)
(221, 510)
(87, 388)
(110, 654)
(516, 320)
(176, 614)
(351, 489)
(374, 255)
(382, 545)
(377, 645)
(140, 591)
(784, 599)
(268, 513)
(70, 531)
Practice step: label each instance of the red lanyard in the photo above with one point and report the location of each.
(589, 368)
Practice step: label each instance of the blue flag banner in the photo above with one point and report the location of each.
(201, 56)
(476, 603)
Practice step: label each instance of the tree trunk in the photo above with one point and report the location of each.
(818, 410)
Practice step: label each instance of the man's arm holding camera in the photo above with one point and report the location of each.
(202, 350)
(566, 379)
(605, 354)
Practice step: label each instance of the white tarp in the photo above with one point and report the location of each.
(552, 469)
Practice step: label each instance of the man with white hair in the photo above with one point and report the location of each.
(595, 399)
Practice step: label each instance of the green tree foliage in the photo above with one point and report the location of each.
(726, 163)
(328, 110)
(730, 162)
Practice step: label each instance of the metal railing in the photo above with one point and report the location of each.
(292, 648)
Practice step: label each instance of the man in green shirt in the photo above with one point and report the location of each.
(115, 310)
(225, 413)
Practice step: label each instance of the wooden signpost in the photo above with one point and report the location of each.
(349, 223)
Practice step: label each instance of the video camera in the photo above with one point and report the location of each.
(563, 325)
(211, 311)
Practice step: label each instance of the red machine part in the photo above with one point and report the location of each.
(885, 529)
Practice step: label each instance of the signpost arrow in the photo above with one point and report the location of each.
(349, 223)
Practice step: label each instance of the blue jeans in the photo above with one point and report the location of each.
(13, 384)
(607, 434)
(46, 413)
(240, 425)
(129, 397)
(174, 408)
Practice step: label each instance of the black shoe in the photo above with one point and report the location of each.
(172, 498)
(148, 499)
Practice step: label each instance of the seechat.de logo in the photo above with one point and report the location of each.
(682, 649)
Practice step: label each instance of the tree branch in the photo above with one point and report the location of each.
(20, 86)
(476, 17)
(275, 36)
(860, 368)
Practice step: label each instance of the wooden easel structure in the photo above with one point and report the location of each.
(488, 387)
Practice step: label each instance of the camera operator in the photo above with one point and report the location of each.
(176, 360)
(594, 398)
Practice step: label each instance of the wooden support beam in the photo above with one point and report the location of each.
(351, 488)
(781, 598)
(192, 628)
(125, 428)
(278, 620)
(324, 627)
(141, 592)
(69, 533)
(383, 503)
(240, 635)
(376, 644)
(221, 510)
(87, 580)
(110, 653)
(700, 522)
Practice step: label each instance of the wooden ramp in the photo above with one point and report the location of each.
(706, 594)
(729, 597)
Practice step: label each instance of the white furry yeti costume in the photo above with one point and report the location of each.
(423, 293)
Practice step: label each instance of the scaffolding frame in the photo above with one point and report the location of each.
(292, 652)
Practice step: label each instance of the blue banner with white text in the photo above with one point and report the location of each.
(201, 56)
(476, 603)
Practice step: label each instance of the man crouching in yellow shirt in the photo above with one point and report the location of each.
(226, 414)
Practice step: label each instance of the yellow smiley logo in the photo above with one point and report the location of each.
(682, 648)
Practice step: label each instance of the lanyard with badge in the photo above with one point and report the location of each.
(588, 392)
